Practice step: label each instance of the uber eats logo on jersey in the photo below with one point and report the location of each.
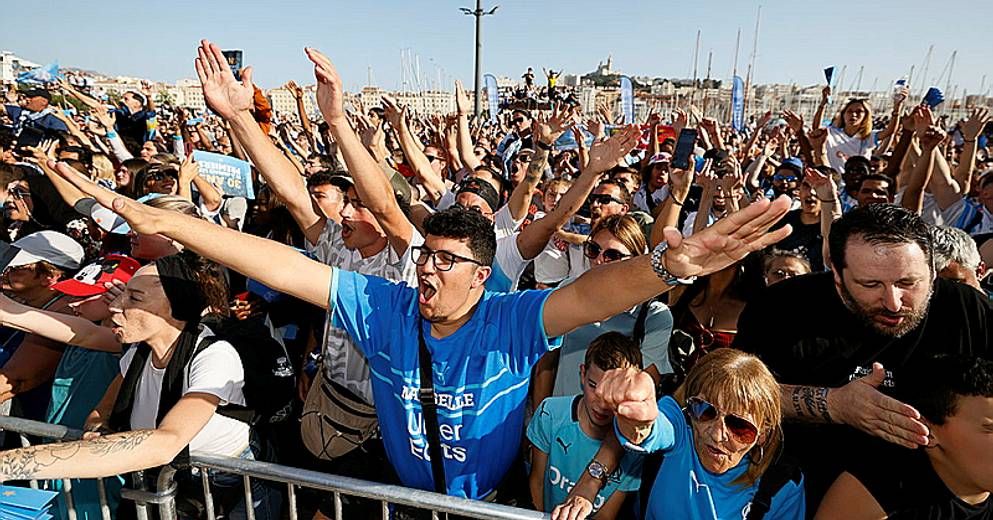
(450, 434)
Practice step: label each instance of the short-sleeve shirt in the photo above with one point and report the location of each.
(216, 370)
(840, 146)
(970, 216)
(906, 486)
(481, 376)
(343, 361)
(685, 489)
(554, 429)
(654, 347)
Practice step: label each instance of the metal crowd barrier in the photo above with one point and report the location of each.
(163, 497)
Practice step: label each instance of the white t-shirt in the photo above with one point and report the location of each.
(503, 223)
(343, 361)
(930, 211)
(640, 198)
(217, 371)
(840, 146)
(691, 218)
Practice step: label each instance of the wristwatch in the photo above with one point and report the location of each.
(664, 273)
(598, 471)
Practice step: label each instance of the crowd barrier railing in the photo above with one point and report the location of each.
(164, 496)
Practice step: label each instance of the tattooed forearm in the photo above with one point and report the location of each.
(805, 403)
(67, 459)
(537, 166)
(112, 444)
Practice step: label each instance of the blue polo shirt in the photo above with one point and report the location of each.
(481, 375)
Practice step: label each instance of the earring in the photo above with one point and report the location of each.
(761, 454)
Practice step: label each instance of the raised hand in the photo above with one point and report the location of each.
(107, 119)
(973, 126)
(681, 180)
(461, 99)
(142, 218)
(932, 137)
(817, 138)
(680, 121)
(294, 89)
(596, 127)
(548, 128)
(224, 94)
(330, 94)
(860, 404)
(766, 117)
(189, 170)
(793, 120)
(393, 113)
(727, 241)
(825, 94)
(605, 155)
(923, 118)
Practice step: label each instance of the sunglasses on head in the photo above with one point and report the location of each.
(592, 250)
(742, 430)
(604, 199)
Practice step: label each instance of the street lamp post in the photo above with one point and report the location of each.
(479, 14)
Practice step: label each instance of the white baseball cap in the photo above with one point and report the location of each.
(50, 246)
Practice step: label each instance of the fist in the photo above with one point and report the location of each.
(630, 392)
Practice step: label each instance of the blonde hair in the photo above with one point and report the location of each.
(174, 203)
(626, 229)
(103, 168)
(735, 381)
(866, 128)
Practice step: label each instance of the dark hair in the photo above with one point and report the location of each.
(878, 224)
(84, 155)
(461, 224)
(612, 350)
(625, 194)
(934, 386)
(10, 173)
(890, 182)
(320, 178)
(78, 165)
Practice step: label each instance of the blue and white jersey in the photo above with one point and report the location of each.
(685, 489)
(554, 429)
(481, 375)
(970, 216)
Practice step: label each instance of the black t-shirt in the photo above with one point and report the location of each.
(806, 335)
(906, 486)
(807, 236)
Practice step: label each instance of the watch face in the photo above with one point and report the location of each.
(597, 470)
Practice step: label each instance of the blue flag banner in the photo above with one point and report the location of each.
(567, 141)
(47, 74)
(492, 96)
(933, 98)
(232, 176)
(828, 74)
(738, 104)
(627, 100)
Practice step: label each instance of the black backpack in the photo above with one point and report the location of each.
(270, 385)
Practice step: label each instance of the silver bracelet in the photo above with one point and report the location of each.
(663, 273)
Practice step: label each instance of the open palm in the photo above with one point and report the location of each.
(224, 94)
(330, 95)
(605, 155)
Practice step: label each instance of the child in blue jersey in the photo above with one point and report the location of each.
(566, 432)
(719, 433)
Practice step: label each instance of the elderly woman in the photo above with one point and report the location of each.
(720, 433)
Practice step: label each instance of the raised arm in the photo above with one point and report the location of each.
(373, 188)
(827, 192)
(709, 183)
(971, 129)
(668, 214)
(57, 326)
(301, 111)
(273, 264)
(819, 113)
(603, 156)
(465, 138)
(412, 150)
(612, 288)
(913, 196)
(545, 131)
(233, 100)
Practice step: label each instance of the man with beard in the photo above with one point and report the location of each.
(879, 309)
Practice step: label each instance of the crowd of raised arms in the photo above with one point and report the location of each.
(788, 320)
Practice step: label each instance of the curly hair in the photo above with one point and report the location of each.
(462, 224)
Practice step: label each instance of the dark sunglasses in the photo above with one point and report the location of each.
(432, 158)
(519, 120)
(604, 199)
(784, 178)
(161, 176)
(19, 193)
(743, 431)
(592, 250)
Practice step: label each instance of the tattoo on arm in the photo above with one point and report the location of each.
(26, 463)
(537, 165)
(809, 403)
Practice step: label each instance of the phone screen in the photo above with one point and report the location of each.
(234, 58)
(684, 148)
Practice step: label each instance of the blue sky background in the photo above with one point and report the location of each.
(157, 39)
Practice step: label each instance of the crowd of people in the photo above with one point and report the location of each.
(468, 306)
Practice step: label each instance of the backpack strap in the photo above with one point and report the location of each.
(782, 471)
(120, 417)
(234, 411)
(430, 413)
(638, 334)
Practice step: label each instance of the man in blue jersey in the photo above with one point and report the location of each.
(482, 345)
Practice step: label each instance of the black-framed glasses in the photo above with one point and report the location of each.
(592, 250)
(741, 429)
(604, 199)
(443, 260)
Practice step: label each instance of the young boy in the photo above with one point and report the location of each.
(565, 433)
(950, 478)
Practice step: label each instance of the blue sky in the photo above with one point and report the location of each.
(797, 38)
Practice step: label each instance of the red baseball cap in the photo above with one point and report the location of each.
(90, 279)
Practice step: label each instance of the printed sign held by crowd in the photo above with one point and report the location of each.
(230, 175)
